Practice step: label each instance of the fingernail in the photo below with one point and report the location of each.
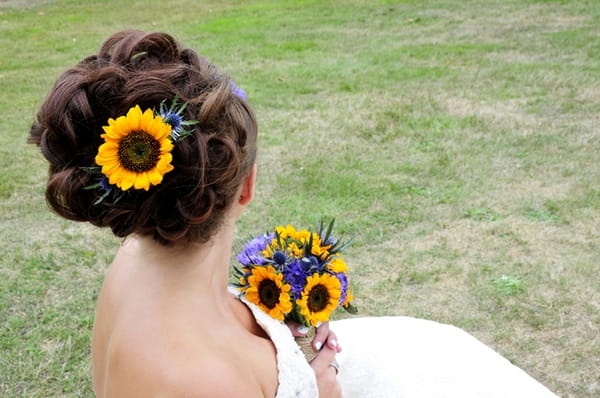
(318, 344)
(302, 329)
(333, 343)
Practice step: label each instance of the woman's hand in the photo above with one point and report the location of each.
(325, 343)
(326, 373)
(322, 335)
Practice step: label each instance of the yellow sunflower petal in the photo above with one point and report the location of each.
(126, 179)
(120, 128)
(155, 178)
(142, 181)
(163, 167)
(166, 146)
(107, 147)
(165, 158)
(133, 118)
(110, 144)
(146, 121)
(110, 168)
(160, 130)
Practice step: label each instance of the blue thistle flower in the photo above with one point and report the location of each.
(331, 241)
(104, 185)
(279, 257)
(313, 264)
(173, 116)
(174, 120)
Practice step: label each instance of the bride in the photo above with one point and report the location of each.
(147, 138)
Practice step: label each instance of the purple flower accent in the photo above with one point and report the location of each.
(295, 274)
(252, 251)
(344, 282)
(239, 92)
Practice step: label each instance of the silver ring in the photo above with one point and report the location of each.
(336, 366)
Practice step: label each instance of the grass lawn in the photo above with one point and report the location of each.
(457, 141)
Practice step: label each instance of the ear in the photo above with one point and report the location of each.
(247, 191)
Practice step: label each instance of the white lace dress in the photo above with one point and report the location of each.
(296, 377)
(401, 357)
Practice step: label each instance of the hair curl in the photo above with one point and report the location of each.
(137, 68)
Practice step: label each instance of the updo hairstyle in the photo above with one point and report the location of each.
(145, 69)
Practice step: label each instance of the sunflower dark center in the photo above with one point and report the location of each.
(139, 151)
(268, 293)
(318, 298)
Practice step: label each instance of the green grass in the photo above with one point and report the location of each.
(457, 141)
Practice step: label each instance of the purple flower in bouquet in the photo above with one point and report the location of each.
(252, 253)
(343, 278)
(296, 274)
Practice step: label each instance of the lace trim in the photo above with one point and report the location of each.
(296, 377)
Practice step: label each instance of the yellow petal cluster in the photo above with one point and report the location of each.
(297, 239)
(337, 265)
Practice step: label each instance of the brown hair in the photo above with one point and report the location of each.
(137, 68)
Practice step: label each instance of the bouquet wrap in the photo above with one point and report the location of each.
(305, 344)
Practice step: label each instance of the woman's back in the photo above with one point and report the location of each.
(161, 330)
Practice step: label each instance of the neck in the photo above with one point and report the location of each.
(201, 268)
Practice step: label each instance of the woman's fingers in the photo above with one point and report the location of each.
(324, 365)
(323, 359)
(326, 374)
(323, 335)
(332, 342)
(326, 335)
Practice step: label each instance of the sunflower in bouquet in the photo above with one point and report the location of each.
(296, 275)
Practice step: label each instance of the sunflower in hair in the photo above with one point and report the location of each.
(137, 150)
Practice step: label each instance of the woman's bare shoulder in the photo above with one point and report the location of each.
(159, 342)
(197, 371)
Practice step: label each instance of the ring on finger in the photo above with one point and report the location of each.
(335, 365)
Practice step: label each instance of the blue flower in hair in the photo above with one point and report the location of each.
(172, 116)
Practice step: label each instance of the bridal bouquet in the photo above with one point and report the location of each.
(296, 275)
